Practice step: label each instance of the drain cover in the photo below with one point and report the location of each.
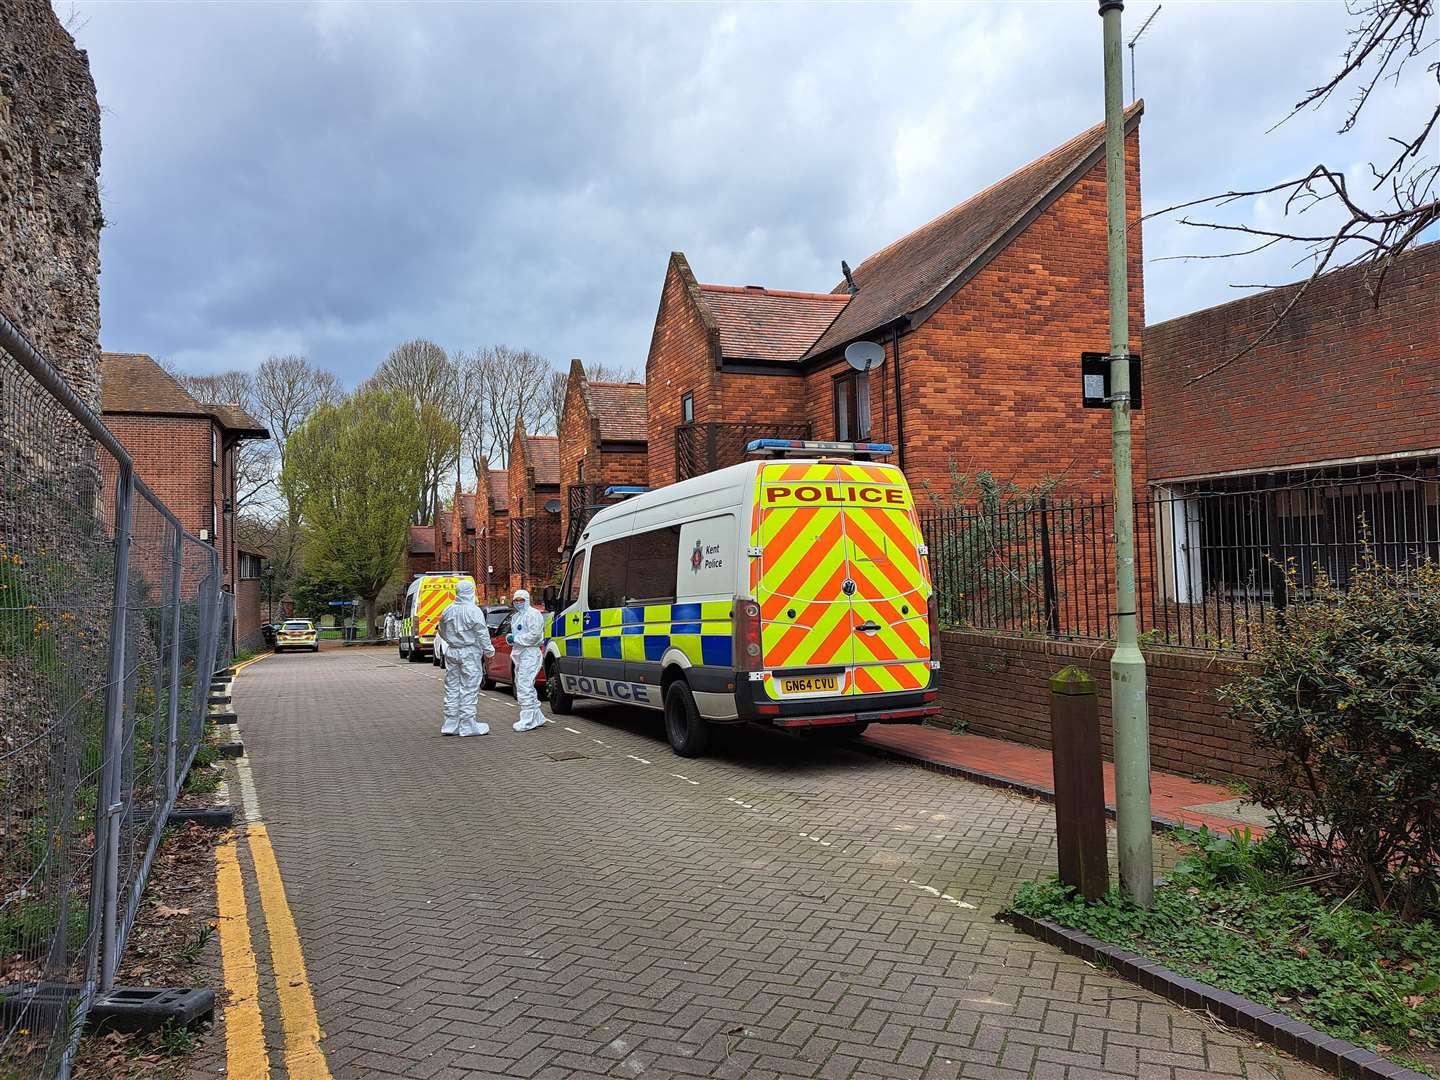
(565, 755)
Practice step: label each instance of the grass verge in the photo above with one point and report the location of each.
(1236, 914)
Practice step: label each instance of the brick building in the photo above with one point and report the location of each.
(534, 509)
(602, 444)
(470, 536)
(492, 532)
(186, 452)
(419, 550)
(1323, 438)
(983, 314)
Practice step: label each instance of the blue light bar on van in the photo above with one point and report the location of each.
(621, 491)
(780, 446)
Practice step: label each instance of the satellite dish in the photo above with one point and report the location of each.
(863, 355)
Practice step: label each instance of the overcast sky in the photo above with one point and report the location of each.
(335, 178)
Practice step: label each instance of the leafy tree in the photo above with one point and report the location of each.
(357, 470)
(316, 587)
(424, 372)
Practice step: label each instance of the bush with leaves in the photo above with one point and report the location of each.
(1346, 697)
(985, 555)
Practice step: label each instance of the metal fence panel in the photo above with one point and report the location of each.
(112, 619)
(57, 565)
(1216, 560)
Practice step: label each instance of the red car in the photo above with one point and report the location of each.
(500, 668)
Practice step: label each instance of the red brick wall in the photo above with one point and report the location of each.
(623, 467)
(577, 443)
(1339, 378)
(997, 686)
(249, 614)
(992, 380)
(172, 456)
(683, 355)
(776, 399)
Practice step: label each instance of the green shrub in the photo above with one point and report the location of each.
(1346, 697)
(1357, 974)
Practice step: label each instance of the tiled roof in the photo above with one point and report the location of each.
(620, 408)
(422, 540)
(135, 383)
(912, 272)
(769, 324)
(544, 454)
(500, 488)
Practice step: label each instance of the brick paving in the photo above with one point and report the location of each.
(578, 903)
(1174, 800)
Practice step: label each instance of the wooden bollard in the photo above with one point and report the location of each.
(1079, 782)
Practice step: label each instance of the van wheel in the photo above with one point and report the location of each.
(415, 656)
(686, 729)
(561, 703)
(404, 653)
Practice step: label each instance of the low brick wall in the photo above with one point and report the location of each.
(997, 685)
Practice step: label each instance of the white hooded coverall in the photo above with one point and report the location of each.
(467, 644)
(527, 628)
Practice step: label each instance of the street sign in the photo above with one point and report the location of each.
(1095, 380)
(342, 603)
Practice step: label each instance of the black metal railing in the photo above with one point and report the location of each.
(702, 448)
(1214, 561)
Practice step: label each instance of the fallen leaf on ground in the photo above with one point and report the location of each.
(163, 912)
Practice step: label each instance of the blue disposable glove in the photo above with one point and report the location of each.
(509, 639)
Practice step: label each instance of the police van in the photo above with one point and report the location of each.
(426, 599)
(792, 590)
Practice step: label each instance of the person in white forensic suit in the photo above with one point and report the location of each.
(526, 637)
(467, 644)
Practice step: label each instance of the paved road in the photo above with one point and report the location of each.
(577, 901)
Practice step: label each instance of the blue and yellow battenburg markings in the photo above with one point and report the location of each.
(704, 633)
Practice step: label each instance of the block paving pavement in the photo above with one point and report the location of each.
(579, 902)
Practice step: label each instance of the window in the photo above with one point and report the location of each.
(570, 588)
(852, 407)
(607, 574)
(687, 409)
(581, 477)
(638, 569)
(250, 565)
(653, 559)
(214, 447)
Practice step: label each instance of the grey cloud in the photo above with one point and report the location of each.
(337, 178)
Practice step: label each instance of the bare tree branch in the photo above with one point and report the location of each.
(1371, 233)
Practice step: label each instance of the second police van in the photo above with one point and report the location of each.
(793, 592)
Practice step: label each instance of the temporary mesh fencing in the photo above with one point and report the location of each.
(112, 620)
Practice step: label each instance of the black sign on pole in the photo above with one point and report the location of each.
(1095, 380)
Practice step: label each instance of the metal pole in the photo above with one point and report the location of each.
(1127, 663)
(108, 806)
(177, 582)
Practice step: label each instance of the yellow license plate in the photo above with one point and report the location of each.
(811, 684)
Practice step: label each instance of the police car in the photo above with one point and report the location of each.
(793, 591)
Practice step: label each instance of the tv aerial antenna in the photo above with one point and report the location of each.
(1134, 93)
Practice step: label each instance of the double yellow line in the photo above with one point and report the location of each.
(246, 1055)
